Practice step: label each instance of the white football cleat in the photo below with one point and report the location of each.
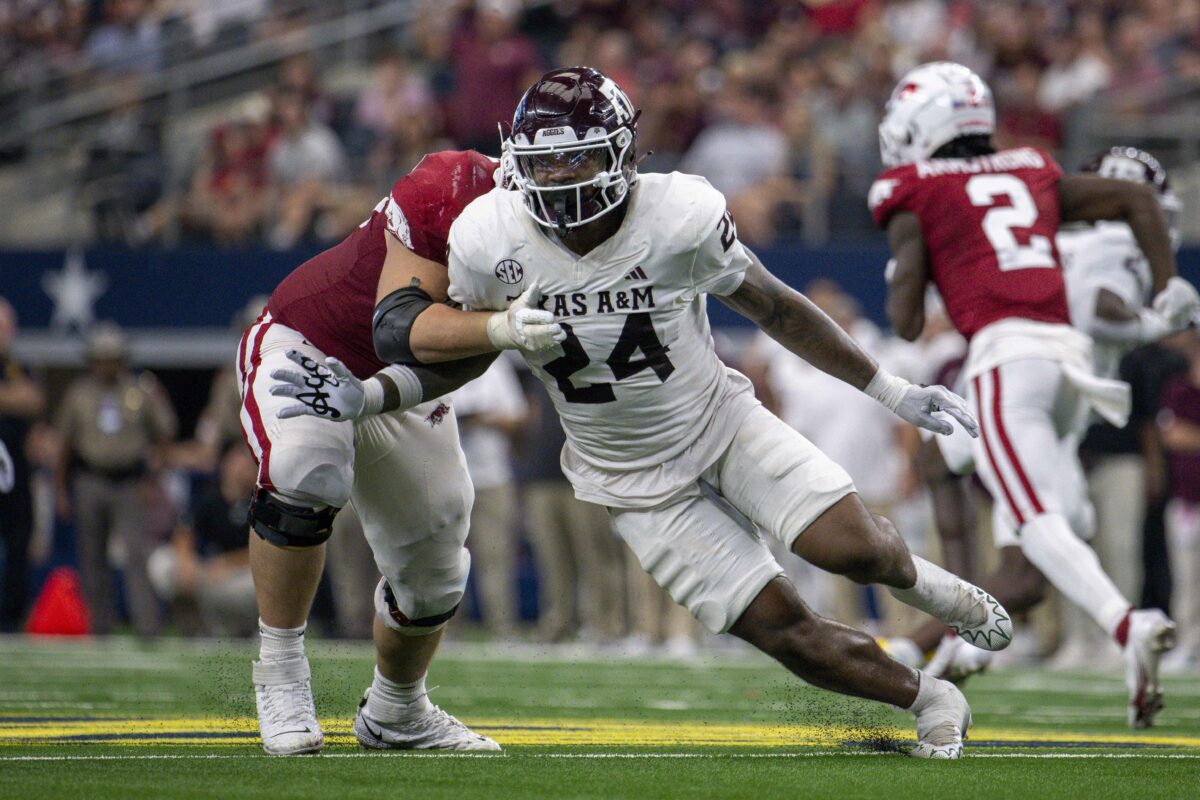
(955, 660)
(433, 730)
(287, 716)
(942, 724)
(979, 618)
(1150, 635)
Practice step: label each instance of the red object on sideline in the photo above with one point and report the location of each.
(60, 609)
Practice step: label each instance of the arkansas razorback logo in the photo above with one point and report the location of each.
(437, 415)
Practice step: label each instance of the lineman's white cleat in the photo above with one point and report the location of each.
(432, 730)
(943, 722)
(1150, 635)
(955, 660)
(287, 717)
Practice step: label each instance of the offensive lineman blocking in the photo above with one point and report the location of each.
(658, 430)
(402, 468)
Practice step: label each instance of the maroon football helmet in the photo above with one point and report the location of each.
(572, 149)
(1138, 166)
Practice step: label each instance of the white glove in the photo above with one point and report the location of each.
(524, 325)
(920, 405)
(1152, 325)
(7, 473)
(330, 390)
(1177, 302)
(324, 390)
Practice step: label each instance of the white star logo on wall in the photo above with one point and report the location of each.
(74, 291)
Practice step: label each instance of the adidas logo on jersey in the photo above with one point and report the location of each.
(636, 274)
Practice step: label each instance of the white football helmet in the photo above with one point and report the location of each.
(933, 104)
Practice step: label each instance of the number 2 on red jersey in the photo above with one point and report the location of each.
(1000, 221)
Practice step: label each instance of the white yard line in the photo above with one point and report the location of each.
(572, 756)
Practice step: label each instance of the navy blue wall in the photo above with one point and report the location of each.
(206, 287)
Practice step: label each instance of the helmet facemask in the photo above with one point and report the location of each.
(567, 181)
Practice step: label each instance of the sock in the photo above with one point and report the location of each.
(280, 644)
(396, 702)
(935, 592)
(1073, 568)
(1121, 632)
(926, 691)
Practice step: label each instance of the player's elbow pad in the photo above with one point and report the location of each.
(391, 327)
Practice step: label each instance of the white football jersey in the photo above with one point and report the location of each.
(1103, 256)
(645, 402)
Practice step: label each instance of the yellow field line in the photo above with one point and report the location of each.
(547, 732)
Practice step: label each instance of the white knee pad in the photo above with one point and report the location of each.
(303, 476)
(425, 596)
(424, 563)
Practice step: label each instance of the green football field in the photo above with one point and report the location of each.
(122, 719)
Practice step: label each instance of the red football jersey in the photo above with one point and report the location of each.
(989, 225)
(330, 298)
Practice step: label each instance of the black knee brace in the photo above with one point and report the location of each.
(285, 525)
(402, 619)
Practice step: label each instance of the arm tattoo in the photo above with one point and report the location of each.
(791, 319)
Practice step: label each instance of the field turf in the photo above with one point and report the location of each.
(175, 719)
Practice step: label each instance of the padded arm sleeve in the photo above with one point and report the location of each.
(393, 321)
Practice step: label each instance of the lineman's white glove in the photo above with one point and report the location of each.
(919, 405)
(1177, 302)
(524, 325)
(7, 472)
(330, 390)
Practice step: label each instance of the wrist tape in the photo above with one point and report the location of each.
(887, 389)
(393, 387)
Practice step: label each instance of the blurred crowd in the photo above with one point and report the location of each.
(106, 483)
(775, 102)
(53, 46)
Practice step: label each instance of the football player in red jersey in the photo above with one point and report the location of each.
(1108, 284)
(980, 225)
(342, 318)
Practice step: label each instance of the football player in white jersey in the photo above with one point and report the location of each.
(690, 466)
(1108, 278)
(1108, 289)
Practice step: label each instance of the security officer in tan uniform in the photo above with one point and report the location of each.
(111, 421)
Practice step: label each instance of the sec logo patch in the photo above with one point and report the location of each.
(510, 272)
